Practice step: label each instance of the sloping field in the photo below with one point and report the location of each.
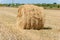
(9, 31)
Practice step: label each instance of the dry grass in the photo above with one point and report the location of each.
(30, 17)
(8, 30)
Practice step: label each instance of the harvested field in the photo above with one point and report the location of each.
(8, 30)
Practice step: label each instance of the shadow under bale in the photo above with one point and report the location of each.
(30, 17)
(46, 28)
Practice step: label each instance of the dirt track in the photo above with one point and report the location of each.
(8, 20)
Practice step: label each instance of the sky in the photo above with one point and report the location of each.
(29, 1)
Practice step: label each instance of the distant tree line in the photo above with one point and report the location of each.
(49, 6)
(46, 6)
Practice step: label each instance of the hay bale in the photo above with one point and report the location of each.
(30, 17)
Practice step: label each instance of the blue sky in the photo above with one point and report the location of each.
(29, 1)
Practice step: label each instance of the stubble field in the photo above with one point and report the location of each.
(9, 31)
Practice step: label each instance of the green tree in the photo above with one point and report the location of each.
(54, 3)
(58, 6)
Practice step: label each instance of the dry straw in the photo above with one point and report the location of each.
(30, 17)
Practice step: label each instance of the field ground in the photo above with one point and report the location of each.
(9, 31)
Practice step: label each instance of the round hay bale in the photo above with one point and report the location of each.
(30, 17)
